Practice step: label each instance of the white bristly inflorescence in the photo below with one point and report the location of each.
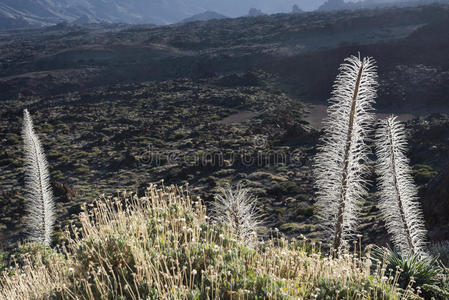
(237, 209)
(39, 197)
(398, 194)
(341, 164)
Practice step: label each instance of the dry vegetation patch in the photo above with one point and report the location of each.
(163, 246)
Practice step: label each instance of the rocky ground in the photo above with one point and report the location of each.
(207, 104)
(204, 134)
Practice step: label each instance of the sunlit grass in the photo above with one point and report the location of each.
(163, 246)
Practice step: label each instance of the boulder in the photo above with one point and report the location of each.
(63, 191)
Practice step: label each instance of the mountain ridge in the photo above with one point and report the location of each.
(333, 5)
(38, 13)
(205, 16)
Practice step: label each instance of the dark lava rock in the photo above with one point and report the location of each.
(436, 207)
(234, 80)
(63, 191)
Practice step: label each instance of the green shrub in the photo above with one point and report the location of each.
(423, 173)
(421, 273)
(366, 289)
(34, 254)
(3, 260)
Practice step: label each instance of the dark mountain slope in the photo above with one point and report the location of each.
(414, 71)
(205, 16)
(411, 45)
(331, 5)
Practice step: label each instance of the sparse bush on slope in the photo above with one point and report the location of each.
(161, 246)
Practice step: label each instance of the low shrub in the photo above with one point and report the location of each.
(423, 273)
(164, 246)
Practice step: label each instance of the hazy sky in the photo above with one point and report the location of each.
(309, 4)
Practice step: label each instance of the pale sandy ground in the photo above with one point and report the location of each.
(239, 117)
(317, 113)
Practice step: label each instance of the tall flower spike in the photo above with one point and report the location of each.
(398, 194)
(237, 209)
(39, 197)
(341, 163)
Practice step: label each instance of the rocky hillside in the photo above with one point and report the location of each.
(120, 106)
(332, 5)
(205, 16)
